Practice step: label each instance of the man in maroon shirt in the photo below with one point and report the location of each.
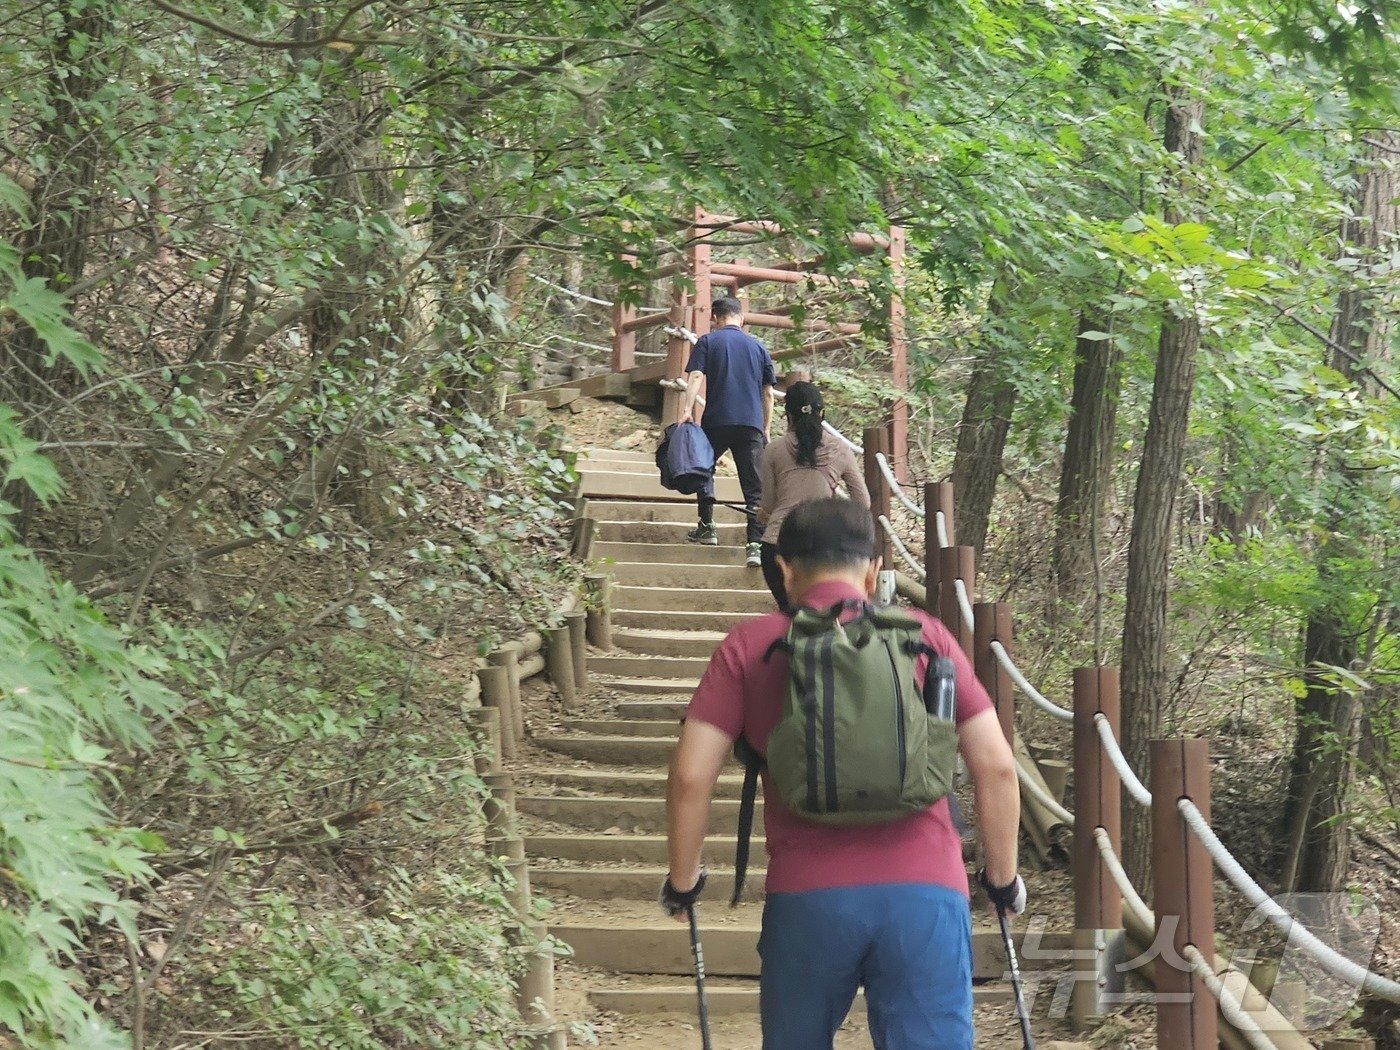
(884, 906)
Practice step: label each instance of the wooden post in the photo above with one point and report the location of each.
(624, 343)
(559, 663)
(576, 621)
(517, 890)
(496, 693)
(876, 440)
(1098, 906)
(677, 352)
(938, 496)
(956, 563)
(485, 724)
(1183, 899)
(899, 359)
(500, 805)
(991, 622)
(697, 259)
(599, 623)
(585, 531)
(534, 995)
(511, 847)
(508, 656)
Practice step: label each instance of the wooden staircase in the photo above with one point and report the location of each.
(591, 791)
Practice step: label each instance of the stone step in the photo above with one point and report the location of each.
(659, 946)
(622, 783)
(623, 665)
(731, 997)
(645, 485)
(685, 578)
(606, 884)
(642, 816)
(611, 750)
(657, 710)
(750, 600)
(650, 850)
(678, 619)
(603, 509)
(730, 535)
(644, 456)
(647, 727)
(667, 643)
(683, 553)
(649, 686)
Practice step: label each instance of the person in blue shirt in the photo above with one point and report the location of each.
(738, 375)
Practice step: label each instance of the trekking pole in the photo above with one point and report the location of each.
(699, 954)
(1021, 1014)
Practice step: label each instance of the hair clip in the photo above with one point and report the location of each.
(806, 410)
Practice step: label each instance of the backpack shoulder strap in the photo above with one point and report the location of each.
(753, 763)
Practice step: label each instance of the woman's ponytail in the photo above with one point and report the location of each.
(805, 412)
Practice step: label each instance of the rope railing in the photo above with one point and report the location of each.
(1231, 1007)
(857, 449)
(1130, 779)
(1116, 871)
(1297, 934)
(895, 486)
(570, 291)
(1043, 797)
(964, 602)
(904, 551)
(940, 523)
(1247, 1027)
(1009, 666)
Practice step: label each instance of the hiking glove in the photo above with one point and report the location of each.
(1010, 899)
(675, 902)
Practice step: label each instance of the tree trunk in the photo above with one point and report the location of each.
(1088, 461)
(982, 433)
(1316, 833)
(1145, 681)
(54, 246)
(1318, 841)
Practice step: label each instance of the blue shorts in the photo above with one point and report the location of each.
(910, 946)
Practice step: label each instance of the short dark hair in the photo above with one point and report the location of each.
(827, 534)
(726, 306)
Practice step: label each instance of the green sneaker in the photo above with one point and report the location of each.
(705, 534)
(755, 555)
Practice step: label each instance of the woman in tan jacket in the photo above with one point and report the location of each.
(805, 464)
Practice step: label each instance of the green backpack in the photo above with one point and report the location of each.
(856, 742)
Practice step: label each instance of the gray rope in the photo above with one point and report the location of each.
(570, 291)
(1229, 1005)
(1327, 957)
(940, 522)
(964, 603)
(1135, 787)
(1009, 665)
(909, 504)
(1120, 877)
(903, 550)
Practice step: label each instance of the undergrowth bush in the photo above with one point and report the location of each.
(75, 698)
(431, 971)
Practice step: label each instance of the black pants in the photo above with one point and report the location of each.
(746, 446)
(773, 576)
